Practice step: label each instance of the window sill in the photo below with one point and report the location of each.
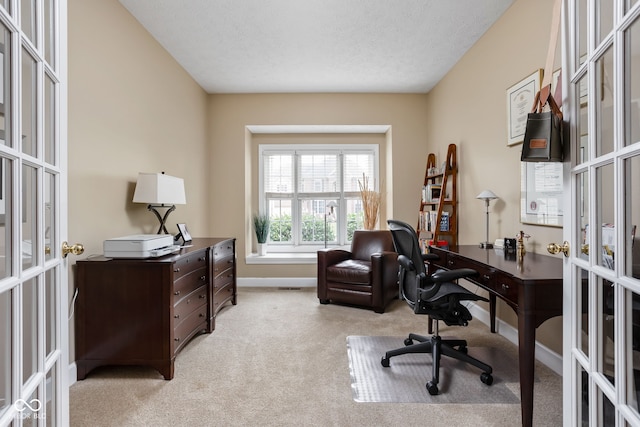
(282, 258)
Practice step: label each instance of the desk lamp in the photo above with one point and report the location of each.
(160, 191)
(487, 196)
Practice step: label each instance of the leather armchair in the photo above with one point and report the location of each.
(366, 276)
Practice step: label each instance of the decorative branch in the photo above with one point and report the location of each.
(370, 203)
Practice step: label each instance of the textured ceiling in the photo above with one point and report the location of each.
(267, 46)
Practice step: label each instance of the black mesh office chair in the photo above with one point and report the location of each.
(437, 296)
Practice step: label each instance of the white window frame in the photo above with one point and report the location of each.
(340, 195)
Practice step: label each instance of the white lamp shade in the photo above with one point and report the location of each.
(486, 195)
(158, 188)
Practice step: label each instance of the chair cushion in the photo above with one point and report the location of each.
(350, 271)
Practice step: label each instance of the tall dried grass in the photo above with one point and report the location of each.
(370, 203)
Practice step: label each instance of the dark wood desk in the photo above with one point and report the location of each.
(532, 288)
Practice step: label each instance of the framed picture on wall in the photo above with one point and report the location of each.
(519, 102)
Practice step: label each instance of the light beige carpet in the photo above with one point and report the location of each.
(279, 358)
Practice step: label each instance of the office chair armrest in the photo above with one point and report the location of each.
(430, 257)
(450, 275)
(406, 263)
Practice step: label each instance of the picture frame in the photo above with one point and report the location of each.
(541, 193)
(520, 98)
(183, 233)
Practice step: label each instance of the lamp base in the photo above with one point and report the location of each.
(486, 245)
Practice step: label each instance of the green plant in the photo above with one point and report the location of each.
(261, 225)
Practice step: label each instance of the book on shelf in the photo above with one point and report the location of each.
(431, 193)
(444, 221)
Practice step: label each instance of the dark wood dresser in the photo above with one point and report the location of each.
(144, 311)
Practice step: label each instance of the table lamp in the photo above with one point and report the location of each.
(160, 191)
(487, 196)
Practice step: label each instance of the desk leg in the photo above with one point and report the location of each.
(492, 312)
(526, 355)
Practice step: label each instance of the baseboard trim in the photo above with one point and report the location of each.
(276, 282)
(73, 373)
(544, 354)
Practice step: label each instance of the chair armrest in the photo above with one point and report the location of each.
(450, 275)
(330, 257)
(430, 257)
(406, 263)
(384, 279)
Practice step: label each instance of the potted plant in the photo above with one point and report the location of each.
(261, 224)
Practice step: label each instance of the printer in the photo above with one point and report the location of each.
(140, 246)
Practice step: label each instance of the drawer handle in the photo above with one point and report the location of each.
(201, 315)
(177, 316)
(230, 261)
(177, 270)
(203, 278)
(203, 296)
(176, 293)
(505, 287)
(486, 277)
(176, 339)
(201, 259)
(450, 262)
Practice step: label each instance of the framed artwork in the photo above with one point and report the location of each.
(183, 233)
(519, 102)
(541, 193)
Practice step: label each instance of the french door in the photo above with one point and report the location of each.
(33, 273)
(602, 274)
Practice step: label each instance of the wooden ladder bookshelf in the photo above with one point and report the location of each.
(439, 199)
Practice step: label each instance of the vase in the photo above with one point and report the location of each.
(262, 249)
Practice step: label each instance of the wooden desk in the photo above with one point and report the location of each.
(532, 288)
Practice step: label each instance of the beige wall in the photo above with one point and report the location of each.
(132, 108)
(468, 107)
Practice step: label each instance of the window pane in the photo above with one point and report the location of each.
(604, 102)
(632, 322)
(629, 4)
(358, 171)
(30, 329)
(607, 338)
(583, 404)
(49, 31)
(632, 103)
(50, 310)
(583, 307)
(606, 224)
(582, 192)
(319, 173)
(581, 14)
(29, 217)
(632, 215)
(49, 214)
(278, 173)
(49, 120)
(583, 119)
(6, 170)
(281, 220)
(605, 15)
(28, 14)
(51, 398)
(318, 221)
(6, 348)
(5, 86)
(28, 104)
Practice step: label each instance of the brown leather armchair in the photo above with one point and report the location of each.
(366, 276)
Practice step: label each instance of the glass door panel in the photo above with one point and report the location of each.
(6, 349)
(583, 309)
(582, 24)
(29, 111)
(6, 207)
(582, 192)
(29, 329)
(606, 358)
(5, 85)
(604, 103)
(632, 79)
(605, 18)
(50, 304)
(49, 217)
(582, 152)
(29, 217)
(632, 322)
(49, 120)
(28, 21)
(606, 216)
(632, 215)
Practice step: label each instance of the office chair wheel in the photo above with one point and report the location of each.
(486, 378)
(385, 362)
(408, 341)
(432, 388)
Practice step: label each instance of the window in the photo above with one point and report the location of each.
(312, 193)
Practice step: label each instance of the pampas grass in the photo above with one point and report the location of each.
(370, 203)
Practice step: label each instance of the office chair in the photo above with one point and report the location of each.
(436, 295)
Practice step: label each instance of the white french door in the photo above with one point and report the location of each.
(33, 273)
(602, 274)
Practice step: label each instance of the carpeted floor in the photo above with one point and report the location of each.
(279, 358)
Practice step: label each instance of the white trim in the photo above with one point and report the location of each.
(544, 354)
(276, 282)
(274, 129)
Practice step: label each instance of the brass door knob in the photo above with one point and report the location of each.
(76, 249)
(554, 248)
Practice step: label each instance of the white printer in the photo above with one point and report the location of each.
(140, 246)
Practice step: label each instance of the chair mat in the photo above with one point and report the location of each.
(404, 381)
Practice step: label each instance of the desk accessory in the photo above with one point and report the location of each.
(487, 196)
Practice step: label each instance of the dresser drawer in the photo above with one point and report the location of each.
(223, 278)
(188, 283)
(222, 265)
(223, 250)
(189, 263)
(222, 295)
(188, 304)
(194, 323)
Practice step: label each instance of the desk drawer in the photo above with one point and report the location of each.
(189, 263)
(189, 282)
(486, 275)
(506, 288)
